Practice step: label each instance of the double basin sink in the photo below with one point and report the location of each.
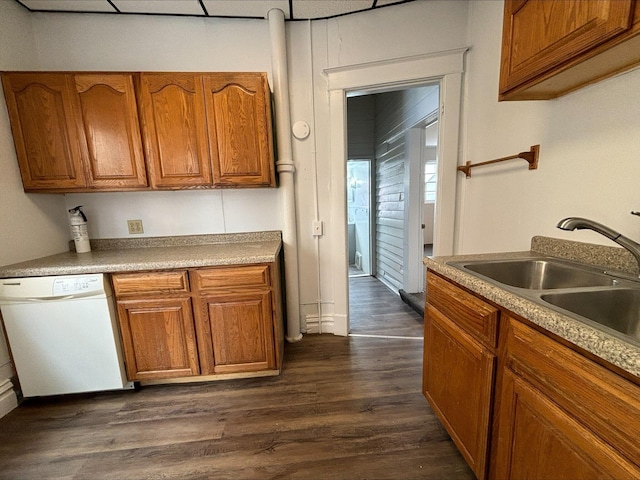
(605, 300)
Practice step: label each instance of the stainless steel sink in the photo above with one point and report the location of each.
(606, 300)
(538, 274)
(618, 309)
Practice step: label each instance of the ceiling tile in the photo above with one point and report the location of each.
(327, 8)
(245, 8)
(166, 7)
(69, 5)
(382, 3)
(302, 9)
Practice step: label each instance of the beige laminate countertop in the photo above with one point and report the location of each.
(154, 253)
(613, 349)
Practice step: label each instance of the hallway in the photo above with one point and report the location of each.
(377, 311)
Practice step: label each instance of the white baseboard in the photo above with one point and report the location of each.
(335, 324)
(8, 398)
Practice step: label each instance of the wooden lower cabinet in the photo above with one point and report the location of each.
(555, 413)
(459, 367)
(240, 330)
(458, 383)
(234, 318)
(540, 440)
(208, 322)
(159, 338)
(561, 415)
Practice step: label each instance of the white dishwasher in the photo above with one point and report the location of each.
(63, 334)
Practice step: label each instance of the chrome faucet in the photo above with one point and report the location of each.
(577, 223)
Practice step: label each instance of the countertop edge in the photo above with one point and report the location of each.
(607, 347)
(147, 258)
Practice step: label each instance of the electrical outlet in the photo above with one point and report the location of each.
(135, 227)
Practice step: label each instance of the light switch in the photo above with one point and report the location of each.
(317, 228)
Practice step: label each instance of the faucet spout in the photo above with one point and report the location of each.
(577, 223)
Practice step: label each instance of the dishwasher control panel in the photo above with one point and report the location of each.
(73, 285)
(34, 289)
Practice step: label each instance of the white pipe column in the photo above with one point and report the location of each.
(286, 170)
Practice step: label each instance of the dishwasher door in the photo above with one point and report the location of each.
(63, 334)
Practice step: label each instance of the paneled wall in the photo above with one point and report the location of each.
(361, 115)
(396, 112)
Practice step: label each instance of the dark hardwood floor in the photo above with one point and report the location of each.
(376, 310)
(343, 408)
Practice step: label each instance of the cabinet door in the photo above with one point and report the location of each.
(458, 383)
(158, 336)
(236, 330)
(108, 121)
(239, 123)
(539, 35)
(175, 130)
(40, 107)
(539, 371)
(539, 440)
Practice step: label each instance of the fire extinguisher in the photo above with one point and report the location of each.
(78, 223)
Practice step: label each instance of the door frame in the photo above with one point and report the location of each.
(372, 207)
(447, 68)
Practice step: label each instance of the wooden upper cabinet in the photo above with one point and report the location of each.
(42, 114)
(175, 129)
(551, 47)
(83, 131)
(108, 123)
(207, 129)
(239, 124)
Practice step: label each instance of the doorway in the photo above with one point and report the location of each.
(447, 69)
(359, 217)
(385, 196)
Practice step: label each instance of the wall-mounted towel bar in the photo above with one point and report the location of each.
(531, 157)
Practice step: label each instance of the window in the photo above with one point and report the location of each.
(430, 181)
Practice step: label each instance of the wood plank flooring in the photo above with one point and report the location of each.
(376, 310)
(343, 408)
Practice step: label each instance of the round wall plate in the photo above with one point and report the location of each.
(301, 130)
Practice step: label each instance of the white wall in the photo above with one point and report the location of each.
(589, 153)
(148, 43)
(27, 219)
(415, 28)
(32, 225)
(589, 139)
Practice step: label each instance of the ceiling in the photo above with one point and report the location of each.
(293, 9)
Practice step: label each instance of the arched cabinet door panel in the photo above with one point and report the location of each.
(239, 128)
(42, 115)
(175, 130)
(108, 121)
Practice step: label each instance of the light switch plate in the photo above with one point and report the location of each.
(318, 229)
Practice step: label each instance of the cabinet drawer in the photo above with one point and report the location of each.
(150, 283)
(601, 400)
(231, 278)
(473, 315)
